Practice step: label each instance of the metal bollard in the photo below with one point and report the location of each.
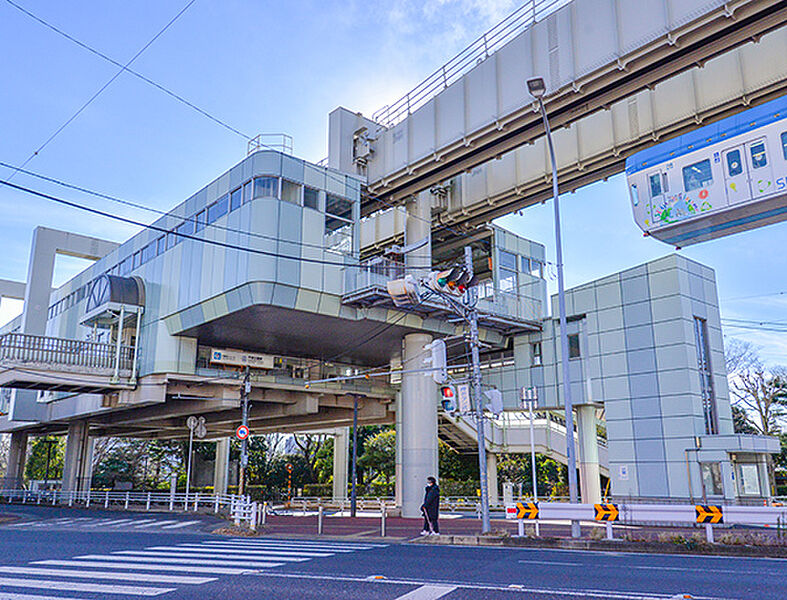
(106, 500)
(196, 501)
(186, 503)
(319, 520)
(709, 532)
(171, 502)
(54, 497)
(609, 531)
(253, 517)
(38, 494)
(215, 503)
(87, 499)
(147, 504)
(264, 512)
(383, 513)
(520, 526)
(125, 505)
(71, 498)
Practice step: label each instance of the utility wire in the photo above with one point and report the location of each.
(130, 71)
(186, 236)
(105, 86)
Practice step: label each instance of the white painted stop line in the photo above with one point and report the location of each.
(427, 592)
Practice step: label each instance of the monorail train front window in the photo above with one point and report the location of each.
(759, 158)
(697, 175)
(784, 145)
(655, 185)
(734, 164)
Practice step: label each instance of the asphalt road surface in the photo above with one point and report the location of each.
(101, 562)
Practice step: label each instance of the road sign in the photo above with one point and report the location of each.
(200, 430)
(527, 510)
(511, 512)
(709, 514)
(606, 512)
(242, 432)
(463, 398)
(191, 422)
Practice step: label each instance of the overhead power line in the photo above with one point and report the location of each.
(130, 71)
(106, 85)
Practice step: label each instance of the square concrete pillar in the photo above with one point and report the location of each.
(221, 467)
(341, 453)
(17, 456)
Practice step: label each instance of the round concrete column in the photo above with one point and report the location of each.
(589, 473)
(418, 425)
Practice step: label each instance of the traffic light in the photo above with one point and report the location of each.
(448, 394)
(403, 292)
(454, 281)
(495, 405)
(437, 360)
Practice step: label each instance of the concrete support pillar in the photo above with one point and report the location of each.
(341, 455)
(419, 426)
(221, 467)
(589, 473)
(491, 478)
(78, 462)
(398, 468)
(17, 455)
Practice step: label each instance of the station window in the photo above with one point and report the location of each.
(734, 163)
(161, 245)
(508, 272)
(759, 157)
(148, 252)
(784, 145)
(697, 175)
(125, 266)
(711, 478)
(535, 354)
(486, 289)
(338, 223)
(525, 264)
(311, 198)
(266, 187)
(247, 189)
(171, 240)
(536, 268)
(185, 228)
(655, 185)
(200, 219)
(236, 199)
(290, 192)
(573, 346)
(218, 209)
(137, 259)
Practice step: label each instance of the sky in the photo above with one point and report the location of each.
(267, 67)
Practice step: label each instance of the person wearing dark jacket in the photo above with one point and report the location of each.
(431, 507)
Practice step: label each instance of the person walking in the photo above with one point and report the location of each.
(431, 507)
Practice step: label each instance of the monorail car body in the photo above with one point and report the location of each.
(720, 179)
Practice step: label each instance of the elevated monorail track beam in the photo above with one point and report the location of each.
(710, 36)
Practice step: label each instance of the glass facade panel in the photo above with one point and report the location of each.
(535, 353)
(148, 252)
(247, 192)
(201, 220)
(711, 477)
(311, 198)
(218, 209)
(290, 192)
(266, 187)
(749, 480)
(573, 346)
(339, 207)
(706, 375)
(236, 199)
(161, 245)
(508, 271)
(697, 175)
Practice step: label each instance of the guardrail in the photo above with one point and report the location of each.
(649, 514)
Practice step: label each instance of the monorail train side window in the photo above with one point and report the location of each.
(697, 175)
(784, 145)
(655, 185)
(759, 158)
(734, 164)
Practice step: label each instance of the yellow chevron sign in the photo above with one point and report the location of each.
(606, 512)
(709, 514)
(527, 510)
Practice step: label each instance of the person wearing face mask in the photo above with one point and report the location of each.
(431, 507)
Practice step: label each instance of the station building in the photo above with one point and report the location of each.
(271, 266)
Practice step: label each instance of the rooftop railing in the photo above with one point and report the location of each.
(38, 349)
(529, 13)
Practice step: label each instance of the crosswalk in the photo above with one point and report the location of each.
(157, 570)
(106, 523)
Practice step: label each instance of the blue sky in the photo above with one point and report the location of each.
(270, 66)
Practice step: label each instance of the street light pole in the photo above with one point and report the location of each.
(353, 496)
(537, 89)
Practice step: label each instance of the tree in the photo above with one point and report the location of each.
(740, 421)
(755, 389)
(310, 446)
(35, 467)
(379, 457)
(455, 466)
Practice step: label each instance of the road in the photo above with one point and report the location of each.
(102, 562)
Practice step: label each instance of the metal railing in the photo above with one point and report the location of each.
(24, 348)
(508, 304)
(495, 38)
(375, 272)
(312, 503)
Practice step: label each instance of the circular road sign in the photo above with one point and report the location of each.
(192, 422)
(201, 430)
(242, 432)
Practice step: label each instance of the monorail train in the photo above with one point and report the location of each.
(717, 180)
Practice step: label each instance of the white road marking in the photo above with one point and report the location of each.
(186, 561)
(118, 522)
(207, 553)
(143, 567)
(12, 596)
(427, 592)
(550, 562)
(178, 525)
(304, 543)
(146, 577)
(325, 548)
(137, 523)
(52, 585)
(155, 523)
(233, 550)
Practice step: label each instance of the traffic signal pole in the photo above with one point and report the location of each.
(472, 317)
(244, 444)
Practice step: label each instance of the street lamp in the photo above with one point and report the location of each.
(537, 89)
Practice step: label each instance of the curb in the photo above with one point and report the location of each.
(604, 545)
